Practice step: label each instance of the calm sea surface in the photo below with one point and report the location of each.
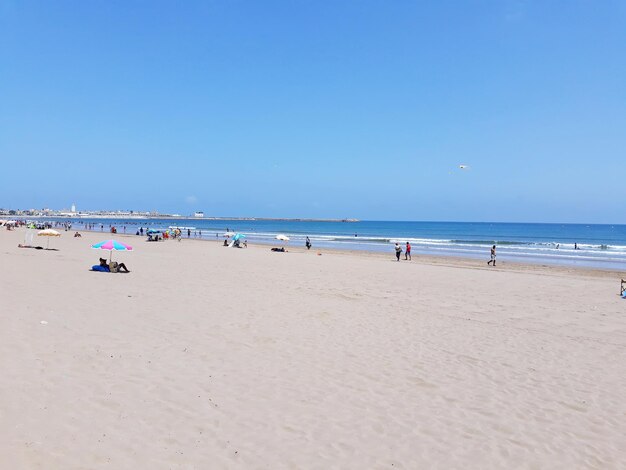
(601, 246)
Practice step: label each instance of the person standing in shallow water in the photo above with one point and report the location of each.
(398, 251)
(493, 256)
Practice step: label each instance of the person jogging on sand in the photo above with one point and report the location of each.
(493, 256)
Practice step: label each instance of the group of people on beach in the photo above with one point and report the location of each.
(407, 251)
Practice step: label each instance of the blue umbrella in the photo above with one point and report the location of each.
(238, 236)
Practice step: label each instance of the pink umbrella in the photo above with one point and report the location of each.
(111, 245)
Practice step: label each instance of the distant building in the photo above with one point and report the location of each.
(198, 214)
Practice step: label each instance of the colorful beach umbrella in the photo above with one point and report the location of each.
(238, 236)
(111, 246)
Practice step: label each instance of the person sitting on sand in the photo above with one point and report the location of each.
(114, 267)
(225, 242)
(77, 235)
(280, 250)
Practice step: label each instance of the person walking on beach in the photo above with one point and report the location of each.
(308, 243)
(493, 256)
(398, 251)
(407, 252)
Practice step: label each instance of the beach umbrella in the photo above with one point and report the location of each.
(229, 234)
(238, 236)
(48, 233)
(111, 246)
(282, 237)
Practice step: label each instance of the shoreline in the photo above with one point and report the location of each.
(430, 260)
(598, 248)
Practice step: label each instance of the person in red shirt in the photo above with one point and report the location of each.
(407, 252)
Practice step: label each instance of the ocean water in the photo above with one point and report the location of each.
(602, 246)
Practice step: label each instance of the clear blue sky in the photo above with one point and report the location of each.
(317, 109)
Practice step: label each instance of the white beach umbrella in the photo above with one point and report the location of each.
(48, 233)
(282, 237)
(229, 234)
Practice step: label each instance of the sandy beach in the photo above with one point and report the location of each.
(207, 357)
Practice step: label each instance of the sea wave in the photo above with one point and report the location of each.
(461, 243)
(514, 241)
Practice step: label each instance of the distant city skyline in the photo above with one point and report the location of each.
(120, 213)
(317, 110)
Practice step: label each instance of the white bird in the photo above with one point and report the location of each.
(464, 167)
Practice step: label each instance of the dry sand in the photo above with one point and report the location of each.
(207, 357)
